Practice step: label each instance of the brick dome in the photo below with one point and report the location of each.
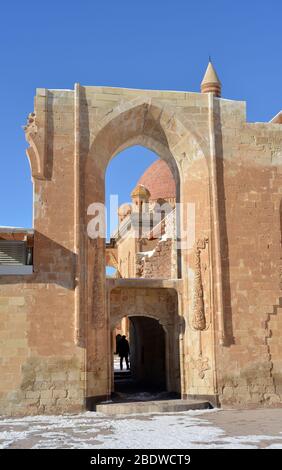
(159, 181)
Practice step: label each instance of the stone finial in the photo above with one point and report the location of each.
(140, 192)
(211, 82)
(140, 197)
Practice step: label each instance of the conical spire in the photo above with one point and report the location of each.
(211, 82)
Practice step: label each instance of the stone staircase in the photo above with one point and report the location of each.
(123, 380)
(132, 398)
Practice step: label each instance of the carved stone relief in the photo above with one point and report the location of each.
(31, 127)
(199, 318)
(201, 365)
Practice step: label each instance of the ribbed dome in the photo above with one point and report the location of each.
(159, 180)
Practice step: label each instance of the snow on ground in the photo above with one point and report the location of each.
(89, 430)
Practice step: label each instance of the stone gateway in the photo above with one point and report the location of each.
(216, 299)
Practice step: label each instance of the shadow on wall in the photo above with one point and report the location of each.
(53, 264)
(280, 210)
(50, 133)
(225, 267)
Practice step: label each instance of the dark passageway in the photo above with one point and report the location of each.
(147, 359)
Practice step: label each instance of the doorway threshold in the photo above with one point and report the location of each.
(143, 395)
(151, 406)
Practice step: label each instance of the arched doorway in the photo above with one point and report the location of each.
(152, 326)
(138, 123)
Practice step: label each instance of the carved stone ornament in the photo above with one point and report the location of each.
(199, 319)
(98, 316)
(31, 127)
(201, 365)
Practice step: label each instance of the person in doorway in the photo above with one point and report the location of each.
(123, 351)
(118, 338)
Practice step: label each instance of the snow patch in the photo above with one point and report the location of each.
(147, 253)
(89, 430)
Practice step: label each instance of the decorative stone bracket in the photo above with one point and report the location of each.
(36, 136)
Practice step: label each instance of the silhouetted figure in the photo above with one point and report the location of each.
(123, 351)
(118, 338)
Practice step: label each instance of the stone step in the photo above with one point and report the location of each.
(128, 381)
(122, 378)
(157, 406)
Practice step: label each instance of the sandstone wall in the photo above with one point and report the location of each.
(249, 176)
(158, 265)
(126, 255)
(41, 369)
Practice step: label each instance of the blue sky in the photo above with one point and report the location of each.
(158, 44)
